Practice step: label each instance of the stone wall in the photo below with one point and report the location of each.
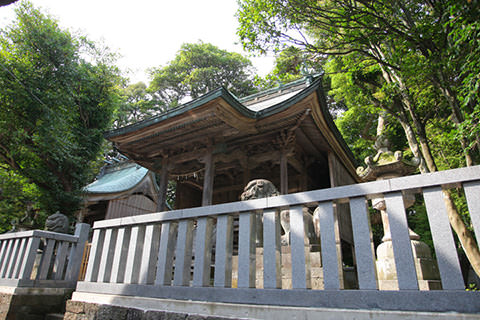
(5, 300)
(32, 304)
(77, 310)
(81, 310)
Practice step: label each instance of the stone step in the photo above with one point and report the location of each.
(54, 316)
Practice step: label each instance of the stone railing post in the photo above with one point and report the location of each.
(76, 253)
(29, 260)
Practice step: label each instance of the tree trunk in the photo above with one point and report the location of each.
(466, 238)
(420, 127)
(457, 116)
(464, 235)
(413, 145)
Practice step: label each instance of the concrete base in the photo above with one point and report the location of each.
(314, 265)
(88, 306)
(422, 285)
(31, 303)
(314, 279)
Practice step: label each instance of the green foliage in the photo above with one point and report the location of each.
(418, 222)
(464, 35)
(359, 87)
(137, 104)
(445, 146)
(263, 25)
(57, 95)
(289, 63)
(472, 287)
(197, 69)
(292, 64)
(16, 195)
(358, 127)
(171, 193)
(426, 55)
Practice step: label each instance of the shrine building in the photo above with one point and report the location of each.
(214, 145)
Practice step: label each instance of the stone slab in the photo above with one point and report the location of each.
(195, 310)
(31, 303)
(402, 300)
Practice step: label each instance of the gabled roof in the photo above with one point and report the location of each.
(268, 98)
(234, 122)
(117, 179)
(254, 106)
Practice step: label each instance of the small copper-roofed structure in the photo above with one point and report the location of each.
(214, 145)
(122, 189)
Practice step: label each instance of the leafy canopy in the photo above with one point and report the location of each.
(57, 95)
(418, 61)
(199, 68)
(136, 104)
(420, 47)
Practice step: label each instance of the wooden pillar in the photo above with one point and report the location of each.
(283, 173)
(162, 188)
(243, 159)
(208, 179)
(332, 169)
(246, 175)
(304, 176)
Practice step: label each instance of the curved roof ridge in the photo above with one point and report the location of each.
(224, 104)
(118, 180)
(282, 86)
(168, 113)
(224, 93)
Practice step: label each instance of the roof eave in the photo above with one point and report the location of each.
(345, 153)
(220, 92)
(232, 101)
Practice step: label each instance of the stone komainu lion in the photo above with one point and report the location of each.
(261, 188)
(57, 222)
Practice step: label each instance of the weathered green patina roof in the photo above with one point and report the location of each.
(253, 111)
(118, 179)
(181, 134)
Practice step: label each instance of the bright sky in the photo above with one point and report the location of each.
(148, 33)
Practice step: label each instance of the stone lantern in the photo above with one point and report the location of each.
(386, 165)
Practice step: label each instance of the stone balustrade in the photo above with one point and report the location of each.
(40, 258)
(210, 253)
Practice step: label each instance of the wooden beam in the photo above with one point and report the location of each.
(234, 119)
(229, 188)
(193, 184)
(195, 154)
(283, 173)
(246, 175)
(331, 169)
(207, 194)
(296, 164)
(273, 156)
(308, 145)
(162, 188)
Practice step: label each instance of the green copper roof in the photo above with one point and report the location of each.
(118, 179)
(255, 110)
(237, 104)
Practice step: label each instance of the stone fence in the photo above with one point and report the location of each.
(42, 259)
(39, 271)
(212, 254)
